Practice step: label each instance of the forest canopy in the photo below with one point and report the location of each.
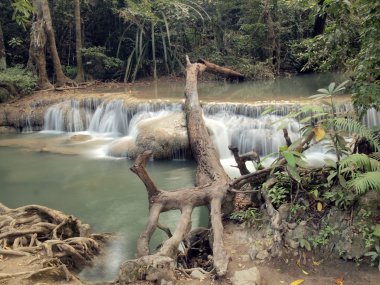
(126, 40)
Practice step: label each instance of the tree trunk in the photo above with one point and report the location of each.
(3, 62)
(78, 42)
(227, 72)
(37, 53)
(42, 33)
(154, 54)
(320, 21)
(273, 45)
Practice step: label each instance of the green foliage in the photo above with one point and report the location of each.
(358, 162)
(366, 182)
(22, 9)
(99, 65)
(375, 256)
(278, 195)
(323, 236)
(70, 71)
(250, 217)
(352, 127)
(340, 197)
(366, 64)
(22, 79)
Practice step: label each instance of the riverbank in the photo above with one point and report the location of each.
(324, 271)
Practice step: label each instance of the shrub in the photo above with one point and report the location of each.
(99, 65)
(16, 81)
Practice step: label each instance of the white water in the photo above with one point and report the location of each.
(240, 125)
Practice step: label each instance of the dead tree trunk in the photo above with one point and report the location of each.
(211, 188)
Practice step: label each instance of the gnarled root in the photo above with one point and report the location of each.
(40, 230)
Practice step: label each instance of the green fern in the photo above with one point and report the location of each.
(359, 162)
(354, 127)
(375, 155)
(366, 182)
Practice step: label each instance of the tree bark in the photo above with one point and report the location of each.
(42, 33)
(78, 42)
(216, 69)
(61, 77)
(3, 61)
(37, 52)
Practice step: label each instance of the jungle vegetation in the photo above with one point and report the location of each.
(125, 40)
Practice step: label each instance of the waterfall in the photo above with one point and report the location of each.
(371, 118)
(241, 125)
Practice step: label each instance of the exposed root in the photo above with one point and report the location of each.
(35, 229)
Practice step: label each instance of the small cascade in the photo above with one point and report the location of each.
(371, 118)
(111, 117)
(241, 125)
(262, 134)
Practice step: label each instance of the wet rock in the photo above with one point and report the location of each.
(7, 130)
(124, 147)
(247, 277)
(166, 137)
(262, 254)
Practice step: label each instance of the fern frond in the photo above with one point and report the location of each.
(354, 127)
(366, 182)
(375, 155)
(360, 161)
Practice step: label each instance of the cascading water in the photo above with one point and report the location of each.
(241, 125)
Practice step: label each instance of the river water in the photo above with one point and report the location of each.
(79, 178)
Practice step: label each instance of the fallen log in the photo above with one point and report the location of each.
(220, 70)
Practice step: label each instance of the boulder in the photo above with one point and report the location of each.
(166, 137)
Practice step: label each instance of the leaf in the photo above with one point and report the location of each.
(283, 148)
(331, 87)
(297, 282)
(319, 133)
(305, 272)
(319, 207)
(307, 245)
(293, 173)
(376, 231)
(339, 281)
(289, 157)
(268, 110)
(317, 263)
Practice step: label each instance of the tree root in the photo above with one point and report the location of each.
(35, 229)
